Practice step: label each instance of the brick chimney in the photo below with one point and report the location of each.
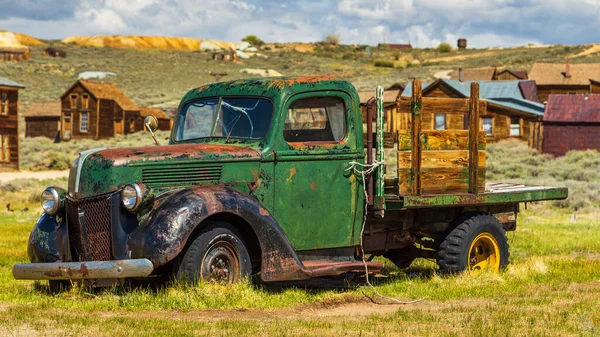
(568, 68)
(460, 71)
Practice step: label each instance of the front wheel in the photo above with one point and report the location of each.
(478, 243)
(217, 254)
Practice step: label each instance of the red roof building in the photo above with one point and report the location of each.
(571, 122)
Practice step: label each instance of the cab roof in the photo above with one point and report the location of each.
(273, 87)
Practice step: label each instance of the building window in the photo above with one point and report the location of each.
(83, 123)
(73, 101)
(316, 119)
(4, 104)
(85, 98)
(440, 122)
(515, 126)
(4, 149)
(488, 125)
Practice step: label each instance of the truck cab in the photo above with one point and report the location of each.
(259, 177)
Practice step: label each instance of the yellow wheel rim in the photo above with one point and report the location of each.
(484, 253)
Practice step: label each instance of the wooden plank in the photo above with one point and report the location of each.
(473, 136)
(388, 139)
(415, 109)
(440, 181)
(440, 159)
(440, 140)
(439, 105)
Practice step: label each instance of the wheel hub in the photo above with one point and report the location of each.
(220, 264)
(484, 253)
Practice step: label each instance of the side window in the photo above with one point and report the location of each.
(320, 119)
(85, 101)
(488, 125)
(4, 149)
(515, 126)
(73, 101)
(4, 104)
(440, 122)
(84, 122)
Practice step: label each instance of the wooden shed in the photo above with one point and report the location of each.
(571, 122)
(9, 123)
(563, 78)
(100, 110)
(42, 119)
(14, 54)
(511, 75)
(508, 114)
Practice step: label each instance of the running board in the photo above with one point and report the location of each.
(319, 268)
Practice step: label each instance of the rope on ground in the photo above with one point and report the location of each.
(363, 172)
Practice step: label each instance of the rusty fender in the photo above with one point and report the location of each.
(42, 245)
(164, 234)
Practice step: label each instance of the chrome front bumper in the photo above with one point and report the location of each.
(90, 270)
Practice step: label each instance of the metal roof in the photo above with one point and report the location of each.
(582, 108)
(5, 82)
(503, 93)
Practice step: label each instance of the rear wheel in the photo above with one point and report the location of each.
(217, 254)
(478, 243)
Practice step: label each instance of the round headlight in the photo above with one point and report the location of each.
(50, 200)
(131, 197)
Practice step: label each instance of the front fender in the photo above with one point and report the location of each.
(42, 245)
(163, 235)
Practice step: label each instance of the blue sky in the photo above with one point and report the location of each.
(424, 23)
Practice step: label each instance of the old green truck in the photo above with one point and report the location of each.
(276, 177)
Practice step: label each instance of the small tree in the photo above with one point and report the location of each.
(254, 40)
(444, 47)
(332, 39)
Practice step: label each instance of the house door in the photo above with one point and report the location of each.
(67, 125)
(118, 126)
(315, 197)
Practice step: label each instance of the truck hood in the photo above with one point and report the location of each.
(103, 171)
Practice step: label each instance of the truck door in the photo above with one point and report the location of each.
(315, 197)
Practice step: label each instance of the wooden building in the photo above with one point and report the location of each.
(508, 114)
(9, 123)
(42, 119)
(594, 86)
(225, 55)
(487, 74)
(461, 43)
(100, 110)
(571, 122)
(390, 99)
(564, 78)
(14, 54)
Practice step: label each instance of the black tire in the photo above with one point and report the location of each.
(456, 254)
(217, 254)
(59, 286)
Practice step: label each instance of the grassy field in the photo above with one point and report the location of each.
(551, 287)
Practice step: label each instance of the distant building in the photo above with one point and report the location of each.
(42, 119)
(396, 46)
(14, 54)
(509, 113)
(9, 123)
(564, 78)
(390, 98)
(487, 74)
(225, 55)
(101, 110)
(461, 43)
(571, 122)
(54, 52)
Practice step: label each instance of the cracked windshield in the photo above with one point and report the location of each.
(245, 118)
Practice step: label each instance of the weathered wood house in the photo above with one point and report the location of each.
(229, 55)
(390, 99)
(564, 78)
(42, 119)
(14, 54)
(508, 113)
(487, 74)
(100, 110)
(9, 123)
(571, 122)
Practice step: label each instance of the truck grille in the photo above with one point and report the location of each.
(180, 174)
(89, 228)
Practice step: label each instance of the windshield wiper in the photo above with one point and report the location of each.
(218, 112)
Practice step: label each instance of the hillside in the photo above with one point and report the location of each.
(17, 40)
(154, 76)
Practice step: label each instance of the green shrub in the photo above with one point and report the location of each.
(332, 39)
(383, 63)
(444, 47)
(253, 40)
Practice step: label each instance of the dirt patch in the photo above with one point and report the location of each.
(41, 175)
(595, 48)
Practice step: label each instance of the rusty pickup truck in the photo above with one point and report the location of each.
(276, 177)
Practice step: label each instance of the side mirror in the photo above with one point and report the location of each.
(151, 123)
